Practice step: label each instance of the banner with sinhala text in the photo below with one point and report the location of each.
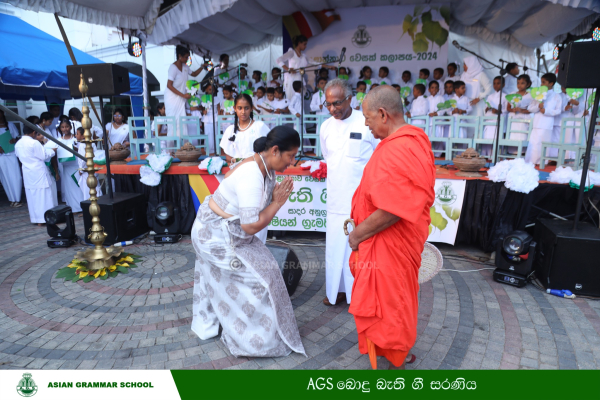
(306, 209)
(398, 37)
(296, 384)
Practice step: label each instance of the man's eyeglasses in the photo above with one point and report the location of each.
(336, 104)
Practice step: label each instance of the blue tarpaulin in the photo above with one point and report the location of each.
(33, 64)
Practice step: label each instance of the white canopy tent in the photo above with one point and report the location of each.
(251, 29)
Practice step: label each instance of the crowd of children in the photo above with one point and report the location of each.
(437, 94)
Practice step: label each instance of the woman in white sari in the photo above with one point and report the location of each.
(237, 282)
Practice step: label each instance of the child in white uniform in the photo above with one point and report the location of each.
(543, 120)
(434, 99)
(463, 105)
(520, 112)
(357, 100)
(489, 132)
(419, 106)
(316, 104)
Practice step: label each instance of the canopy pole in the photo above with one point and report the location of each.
(144, 76)
(73, 60)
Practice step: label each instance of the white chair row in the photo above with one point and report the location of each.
(457, 133)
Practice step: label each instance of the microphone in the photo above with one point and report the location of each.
(455, 43)
(504, 61)
(341, 56)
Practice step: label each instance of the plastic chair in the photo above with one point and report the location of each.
(594, 154)
(561, 145)
(463, 122)
(272, 120)
(422, 121)
(317, 120)
(163, 142)
(439, 122)
(137, 142)
(193, 123)
(222, 120)
(478, 140)
(506, 142)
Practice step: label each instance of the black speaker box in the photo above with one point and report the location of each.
(578, 65)
(289, 265)
(566, 258)
(123, 217)
(102, 79)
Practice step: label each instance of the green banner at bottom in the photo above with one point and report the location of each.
(351, 384)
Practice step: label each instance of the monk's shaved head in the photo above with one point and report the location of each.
(386, 97)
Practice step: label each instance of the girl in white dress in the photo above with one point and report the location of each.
(276, 75)
(295, 59)
(366, 75)
(176, 96)
(70, 168)
(118, 130)
(520, 111)
(238, 139)
(237, 284)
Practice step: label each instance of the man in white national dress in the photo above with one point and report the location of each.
(347, 145)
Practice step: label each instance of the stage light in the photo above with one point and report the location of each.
(189, 61)
(60, 237)
(556, 52)
(166, 223)
(517, 243)
(596, 34)
(514, 259)
(134, 49)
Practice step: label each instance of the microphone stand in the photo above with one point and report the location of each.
(302, 71)
(502, 73)
(210, 77)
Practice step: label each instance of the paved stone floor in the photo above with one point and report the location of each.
(142, 320)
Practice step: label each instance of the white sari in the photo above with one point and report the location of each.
(237, 282)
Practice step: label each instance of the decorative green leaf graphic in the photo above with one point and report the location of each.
(442, 36)
(445, 13)
(426, 17)
(418, 10)
(451, 213)
(420, 43)
(437, 219)
(406, 25)
(430, 229)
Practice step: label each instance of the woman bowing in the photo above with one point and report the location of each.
(237, 282)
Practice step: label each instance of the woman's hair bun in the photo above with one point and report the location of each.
(260, 144)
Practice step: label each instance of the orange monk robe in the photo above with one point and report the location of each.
(399, 179)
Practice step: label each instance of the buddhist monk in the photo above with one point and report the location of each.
(391, 211)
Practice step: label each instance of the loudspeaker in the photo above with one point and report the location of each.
(123, 217)
(566, 258)
(102, 79)
(578, 65)
(289, 265)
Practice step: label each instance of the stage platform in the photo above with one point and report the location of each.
(489, 210)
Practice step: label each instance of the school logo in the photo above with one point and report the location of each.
(361, 37)
(445, 195)
(27, 386)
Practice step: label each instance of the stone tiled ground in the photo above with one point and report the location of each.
(142, 320)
